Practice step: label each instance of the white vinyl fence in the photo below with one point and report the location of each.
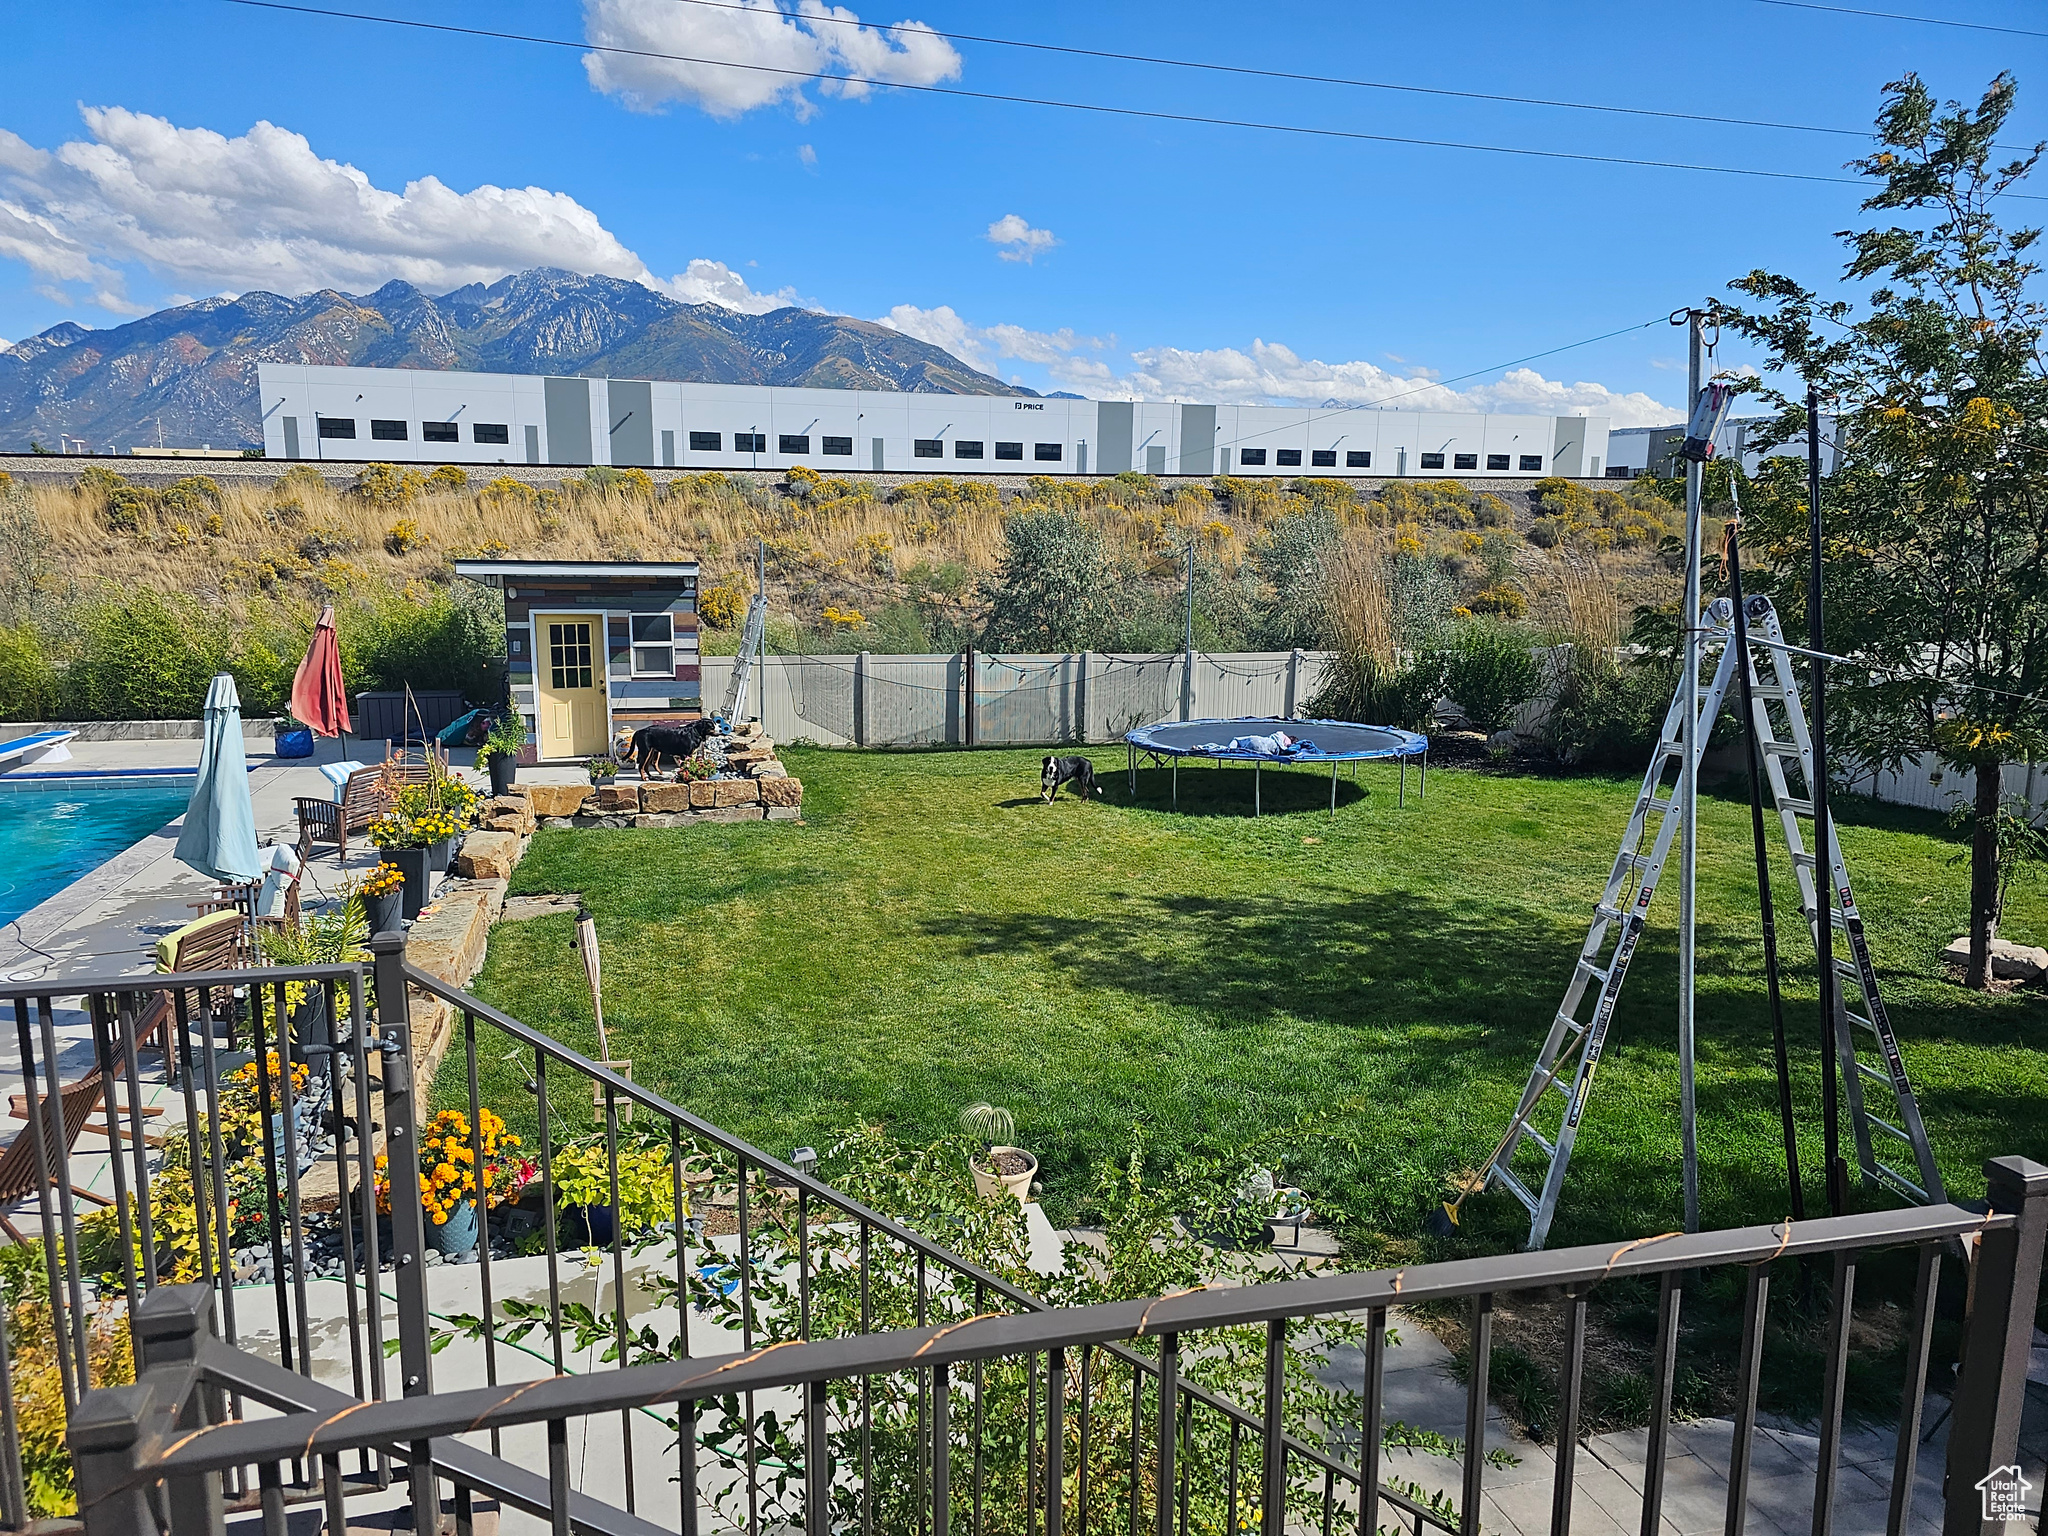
(1093, 696)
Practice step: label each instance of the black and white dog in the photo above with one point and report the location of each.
(1077, 771)
(652, 743)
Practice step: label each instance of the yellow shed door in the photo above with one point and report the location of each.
(569, 684)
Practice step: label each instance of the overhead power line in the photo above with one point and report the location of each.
(1928, 21)
(1097, 108)
(918, 29)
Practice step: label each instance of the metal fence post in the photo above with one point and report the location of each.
(1991, 1381)
(1293, 683)
(104, 1440)
(168, 1326)
(860, 699)
(408, 1223)
(1080, 698)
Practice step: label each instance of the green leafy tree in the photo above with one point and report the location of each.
(1293, 558)
(1054, 590)
(1936, 516)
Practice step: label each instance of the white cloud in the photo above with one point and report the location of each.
(807, 155)
(1017, 240)
(264, 211)
(713, 282)
(1270, 372)
(985, 346)
(812, 39)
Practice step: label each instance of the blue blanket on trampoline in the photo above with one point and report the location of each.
(1279, 746)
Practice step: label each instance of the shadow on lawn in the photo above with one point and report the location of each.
(1208, 790)
(1439, 1008)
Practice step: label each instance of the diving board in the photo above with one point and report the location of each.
(43, 747)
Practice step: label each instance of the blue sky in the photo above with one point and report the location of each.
(1163, 258)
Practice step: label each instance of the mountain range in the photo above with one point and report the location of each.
(187, 376)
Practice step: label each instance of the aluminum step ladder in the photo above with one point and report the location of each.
(1572, 1047)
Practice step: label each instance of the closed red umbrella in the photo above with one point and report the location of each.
(318, 697)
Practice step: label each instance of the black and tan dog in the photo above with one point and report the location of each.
(652, 743)
(1077, 771)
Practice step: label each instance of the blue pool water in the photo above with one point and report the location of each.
(54, 830)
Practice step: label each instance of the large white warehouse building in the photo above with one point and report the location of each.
(413, 415)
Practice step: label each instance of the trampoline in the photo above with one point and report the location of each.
(1313, 742)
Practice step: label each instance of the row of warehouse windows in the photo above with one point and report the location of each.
(798, 444)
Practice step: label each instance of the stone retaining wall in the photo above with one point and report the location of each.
(763, 792)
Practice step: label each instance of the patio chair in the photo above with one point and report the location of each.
(324, 823)
(18, 1176)
(242, 898)
(217, 941)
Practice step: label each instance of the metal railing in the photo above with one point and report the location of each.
(805, 1361)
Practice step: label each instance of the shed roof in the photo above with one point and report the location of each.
(495, 573)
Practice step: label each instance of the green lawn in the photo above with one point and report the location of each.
(933, 935)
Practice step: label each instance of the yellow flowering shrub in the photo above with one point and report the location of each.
(450, 1169)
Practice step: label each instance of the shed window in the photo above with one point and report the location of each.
(1531, 461)
(1464, 461)
(1357, 458)
(792, 442)
(440, 432)
(928, 447)
(1009, 450)
(654, 636)
(1432, 461)
(707, 442)
(966, 448)
(337, 426)
(1496, 461)
(1048, 453)
(839, 447)
(1323, 458)
(1251, 455)
(490, 432)
(388, 431)
(1287, 458)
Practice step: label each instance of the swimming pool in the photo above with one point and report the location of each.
(54, 830)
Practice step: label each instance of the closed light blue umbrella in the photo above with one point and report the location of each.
(219, 838)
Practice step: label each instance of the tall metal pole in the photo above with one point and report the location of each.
(1688, 784)
(1187, 663)
(1823, 830)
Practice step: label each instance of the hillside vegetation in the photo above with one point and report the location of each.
(239, 571)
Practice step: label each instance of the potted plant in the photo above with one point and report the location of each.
(392, 833)
(582, 1178)
(501, 751)
(292, 739)
(1000, 1169)
(453, 1172)
(383, 895)
(602, 769)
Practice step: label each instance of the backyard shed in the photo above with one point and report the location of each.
(595, 647)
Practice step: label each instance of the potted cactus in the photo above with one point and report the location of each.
(1000, 1170)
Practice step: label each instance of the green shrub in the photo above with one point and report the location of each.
(386, 485)
(435, 639)
(1606, 714)
(1373, 692)
(143, 655)
(1490, 671)
(28, 683)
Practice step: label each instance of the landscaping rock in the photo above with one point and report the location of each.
(745, 729)
(784, 791)
(771, 771)
(1501, 741)
(732, 813)
(784, 813)
(559, 823)
(731, 792)
(663, 819)
(488, 855)
(613, 798)
(2009, 961)
(665, 797)
(508, 813)
(701, 794)
(557, 799)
